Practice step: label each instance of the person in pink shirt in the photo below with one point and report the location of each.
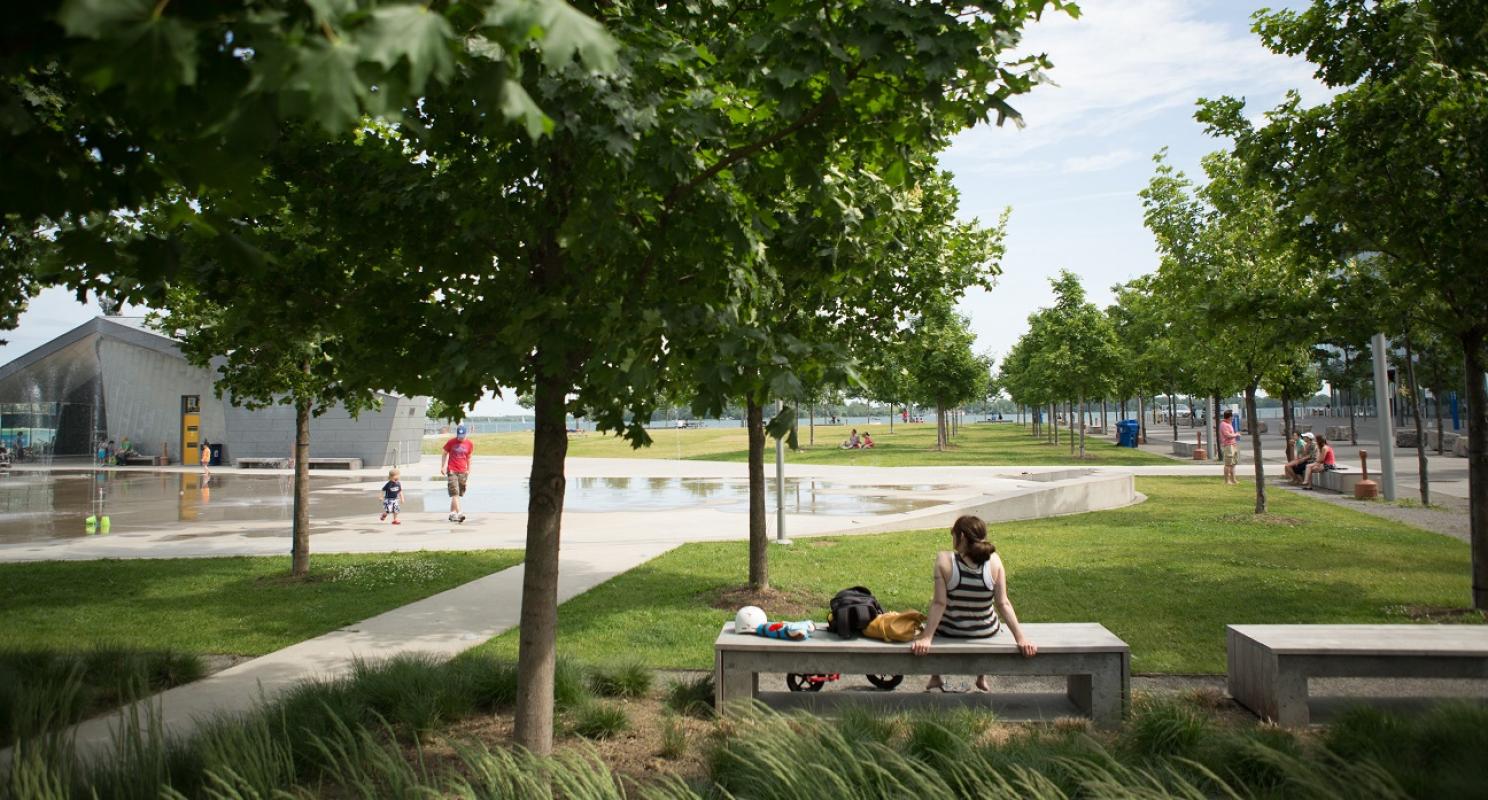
(1229, 444)
(455, 466)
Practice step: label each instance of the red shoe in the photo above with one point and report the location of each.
(383, 517)
(395, 522)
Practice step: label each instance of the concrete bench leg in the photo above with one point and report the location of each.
(732, 684)
(1101, 695)
(1266, 684)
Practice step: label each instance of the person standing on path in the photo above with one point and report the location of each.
(206, 457)
(454, 465)
(1229, 444)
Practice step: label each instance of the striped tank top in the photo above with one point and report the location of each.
(969, 613)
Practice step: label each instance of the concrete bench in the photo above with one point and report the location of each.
(1337, 433)
(1265, 427)
(1095, 663)
(139, 461)
(262, 463)
(1184, 449)
(1269, 665)
(335, 463)
(1459, 447)
(1337, 480)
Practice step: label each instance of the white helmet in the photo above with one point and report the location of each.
(749, 619)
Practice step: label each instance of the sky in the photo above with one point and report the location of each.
(1128, 73)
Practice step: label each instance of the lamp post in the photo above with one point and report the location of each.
(1386, 428)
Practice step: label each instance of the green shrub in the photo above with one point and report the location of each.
(673, 737)
(626, 679)
(600, 720)
(1164, 729)
(864, 724)
(693, 697)
(570, 685)
(490, 682)
(413, 692)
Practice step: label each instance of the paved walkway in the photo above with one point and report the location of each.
(445, 624)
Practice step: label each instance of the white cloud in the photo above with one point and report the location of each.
(1099, 162)
(1122, 63)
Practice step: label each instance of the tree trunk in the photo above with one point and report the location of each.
(891, 419)
(1054, 423)
(1437, 396)
(299, 565)
(1141, 419)
(1173, 413)
(1477, 463)
(1353, 424)
(1082, 427)
(1415, 394)
(811, 412)
(1069, 420)
(1287, 427)
(1255, 447)
(759, 541)
(1214, 421)
(537, 647)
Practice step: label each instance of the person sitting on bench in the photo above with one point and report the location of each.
(970, 600)
(1297, 467)
(1326, 462)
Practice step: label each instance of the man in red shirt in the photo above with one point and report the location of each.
(455, 466)
(1229, 444)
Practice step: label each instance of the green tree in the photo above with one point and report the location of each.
(1078, 350)
(1231, 278)
(1395, 163)
(634, 238)
(108, 107)
(944, 366)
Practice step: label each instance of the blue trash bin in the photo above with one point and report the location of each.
(1126, 433)
(216, 455)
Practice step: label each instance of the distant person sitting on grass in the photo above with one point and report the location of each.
(455, 466)
(392, 496)
(970, 600)
(852, 442)
(1326, 462)
(867, 440)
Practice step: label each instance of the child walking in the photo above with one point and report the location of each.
(392, 493)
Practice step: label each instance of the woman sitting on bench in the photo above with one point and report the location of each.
(970, 600)
(1326, 462)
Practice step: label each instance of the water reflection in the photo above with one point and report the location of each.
(37, 506)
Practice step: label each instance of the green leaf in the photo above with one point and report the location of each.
(782, 423)
(327, 76)
(516, 104)
(96, 19)
(413, 33)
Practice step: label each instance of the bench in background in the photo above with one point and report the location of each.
(1269, 665)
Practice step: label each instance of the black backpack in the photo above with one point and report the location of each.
(852, 609)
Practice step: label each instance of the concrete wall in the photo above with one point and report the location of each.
(142, 391)
(382, 437)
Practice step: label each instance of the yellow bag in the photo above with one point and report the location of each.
(896, 626)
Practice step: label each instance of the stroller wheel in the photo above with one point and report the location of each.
(885, 682)
(801, 682)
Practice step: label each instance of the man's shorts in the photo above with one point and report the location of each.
(390, 505)
(1231, 455)
(456, 482)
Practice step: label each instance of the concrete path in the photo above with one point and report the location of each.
(444, 625)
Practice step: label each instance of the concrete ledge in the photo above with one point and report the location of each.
(1338, 480)
(1337, 433)
(1459, 447)
(1184, 449)
(1075, 494)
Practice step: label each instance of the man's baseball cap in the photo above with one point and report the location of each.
(460, 430)
(1307, 435)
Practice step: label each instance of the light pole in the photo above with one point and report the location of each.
(1386, 428)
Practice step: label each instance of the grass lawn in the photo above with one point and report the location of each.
(998, 444)
(240, 606)
(1166, 576)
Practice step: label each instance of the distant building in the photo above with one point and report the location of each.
(113, 377)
